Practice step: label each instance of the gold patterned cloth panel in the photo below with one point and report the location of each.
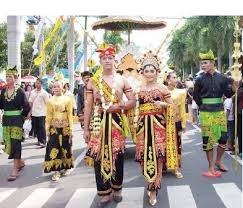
(105, 152)
(213, 124)
(149, 108)
(11, 132)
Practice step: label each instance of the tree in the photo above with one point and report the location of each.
(200, 34)
(113, 38)
(3, 46)
(26, 54)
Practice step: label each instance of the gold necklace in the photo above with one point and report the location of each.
(11, 97)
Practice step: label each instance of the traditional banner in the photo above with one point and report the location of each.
(78, 58)
(41, 56)
(38, 34)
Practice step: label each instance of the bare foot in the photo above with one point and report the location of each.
(221, 167)
(105, 198)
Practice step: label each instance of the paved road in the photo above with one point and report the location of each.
(33, 189)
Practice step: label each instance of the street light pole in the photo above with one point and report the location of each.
(70, 46)
(85, 43)
(13, 36)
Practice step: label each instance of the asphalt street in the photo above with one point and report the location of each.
(34, 189)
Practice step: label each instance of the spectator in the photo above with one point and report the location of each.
(28, 89)
(229, 111)
(38, 100)
(67, 92)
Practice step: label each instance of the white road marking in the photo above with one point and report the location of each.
(132, 197)
(230, 194)
(82, 198)
(180, 196)
(37, 198)
(5, 193)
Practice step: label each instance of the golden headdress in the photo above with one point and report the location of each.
(59, 77)
(150, 59)
(11, 71)
(207, 56)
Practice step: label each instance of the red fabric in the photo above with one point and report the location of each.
(108, 51)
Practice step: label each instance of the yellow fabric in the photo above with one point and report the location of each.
(40, 58)
(171, 144)
(125, 123)
(179, 99)
(59, 109)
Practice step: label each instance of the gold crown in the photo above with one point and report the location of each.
(150, 59)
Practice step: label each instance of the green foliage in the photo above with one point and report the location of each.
(3, 45)
(200, 34)
(113, 38)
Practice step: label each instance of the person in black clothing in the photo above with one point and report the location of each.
(16, 107)
(82, 95)
(208, 91)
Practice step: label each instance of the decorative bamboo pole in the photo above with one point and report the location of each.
(236, 75)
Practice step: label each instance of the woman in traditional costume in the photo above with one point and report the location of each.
(59, 129)
(179, 99)
(150, 124)
(15, 105)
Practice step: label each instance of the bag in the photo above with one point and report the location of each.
(1, 134)
(27, 126)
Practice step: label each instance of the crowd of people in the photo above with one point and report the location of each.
(154, 115)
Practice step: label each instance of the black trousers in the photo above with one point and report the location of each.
(40, 128)
(239, 132)
(115, 183)
(32, 131)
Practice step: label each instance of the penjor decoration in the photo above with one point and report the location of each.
(236, 75)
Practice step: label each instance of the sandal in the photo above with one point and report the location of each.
(21, 167)
(210, 175)
(222, 169)
(56, 176)
(152, 202)
(103, 204)
(67, 172)
(178, 174)
(12, 177)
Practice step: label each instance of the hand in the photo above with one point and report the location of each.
(160, 104)
(81, 117)
(114, 108)
(86, 136)
(183, 130)
(28, 116)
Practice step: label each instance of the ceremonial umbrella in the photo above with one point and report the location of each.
(28, 78)
(127, 23)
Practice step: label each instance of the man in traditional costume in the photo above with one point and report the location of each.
(16, 107)
(152, 117)
(59, 130)
(208, 91)
(179, 100)
(105, 125)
